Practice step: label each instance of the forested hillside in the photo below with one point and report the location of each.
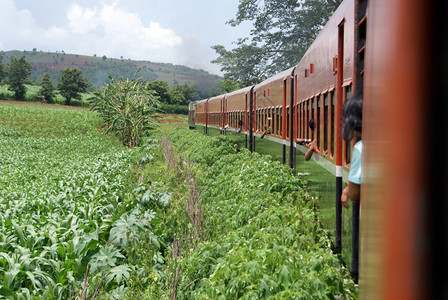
(98, 68)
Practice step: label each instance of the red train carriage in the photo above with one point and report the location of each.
(237, 109)
(392, 44)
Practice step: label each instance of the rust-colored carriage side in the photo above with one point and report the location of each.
(272, 105)
(237, 105)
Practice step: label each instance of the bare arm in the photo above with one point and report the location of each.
(352, 191)
(311, 149)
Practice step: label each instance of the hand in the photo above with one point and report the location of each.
(344, 197)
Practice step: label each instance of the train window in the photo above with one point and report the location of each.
(281, 121)
(348, 91)
(347, 152)
(266, 125)
(326, 122)
(287, 122)
(335, 64)
(304, 120)
(308, 116)
(277, 121)
(263, 119)
(311, 68)
(317, 124)
(274, 126)
(306, 73)
(332, 122)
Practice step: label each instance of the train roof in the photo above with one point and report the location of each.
(279, 76)
(240, 91)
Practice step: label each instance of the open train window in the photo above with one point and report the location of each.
(332, 122)
(308, 117)
(317, 123)
(347, 95)
(326, 122)
(277, 120)
(304, 120)
(266, 123)
(281, 121)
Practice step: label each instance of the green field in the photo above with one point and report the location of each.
(60, 179)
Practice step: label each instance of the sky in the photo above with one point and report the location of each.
(169, 31)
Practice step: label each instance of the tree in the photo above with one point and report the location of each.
(2, 69)
(47, 88)
(227, 86)
(182, 94)
(162, 90)
(17, 74)
(282, 32)
(71, 84)
(128, 107)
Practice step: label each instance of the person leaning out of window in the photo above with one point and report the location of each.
(352, 127)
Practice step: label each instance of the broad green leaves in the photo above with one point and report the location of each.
(64, 203)
(263, 236)
(127, 106)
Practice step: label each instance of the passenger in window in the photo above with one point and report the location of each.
(311, 144)
(240, 125)
(352, 127)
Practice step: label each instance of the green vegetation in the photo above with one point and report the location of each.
(184, 215)
(282, 32)
(127, 107)
(33, 94)
(47, 89)
(69, 214)
(17, 74)
(71, 84)
(97, 70)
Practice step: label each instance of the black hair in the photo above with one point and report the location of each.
(311, 124)
(352, 116)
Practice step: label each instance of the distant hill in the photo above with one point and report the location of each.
(98, 68)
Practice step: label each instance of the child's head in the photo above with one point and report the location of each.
(311, 124)
(352, 117)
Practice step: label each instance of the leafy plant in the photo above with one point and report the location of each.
(127, 106)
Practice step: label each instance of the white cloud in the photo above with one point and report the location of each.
(81, 20)
(102, 28)
(119, 28)
(105, 30)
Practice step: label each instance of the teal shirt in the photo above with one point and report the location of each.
(355, 172)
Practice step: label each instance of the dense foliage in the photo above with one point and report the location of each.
(127, 106)
(188, 216)
(71, 84)
(282, 32)
(261, 233)
(17, 74)
(69, 217)
(47, 89)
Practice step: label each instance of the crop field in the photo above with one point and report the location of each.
(184, 216)
(60, 181)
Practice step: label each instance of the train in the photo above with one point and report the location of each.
(390, 52)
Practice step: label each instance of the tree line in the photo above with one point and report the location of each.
(71, 83)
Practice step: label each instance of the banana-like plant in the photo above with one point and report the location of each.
(127, 106)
